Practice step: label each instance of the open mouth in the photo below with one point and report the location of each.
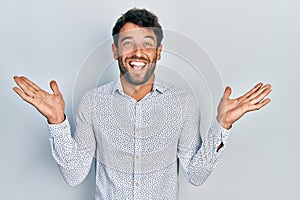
(137, 65)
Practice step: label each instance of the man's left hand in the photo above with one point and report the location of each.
(230, 110)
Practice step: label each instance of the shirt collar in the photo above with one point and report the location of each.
(158, 85)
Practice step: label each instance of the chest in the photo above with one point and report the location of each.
(122, 122)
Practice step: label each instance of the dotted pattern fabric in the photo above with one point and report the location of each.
(137, 144)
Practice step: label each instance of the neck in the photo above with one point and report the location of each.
(137, 92)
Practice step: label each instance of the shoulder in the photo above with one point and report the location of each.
(101, 91)
(182, 95)
(104, 89)
(181, 100)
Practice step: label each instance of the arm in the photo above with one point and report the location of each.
(199, 157)
(73, 155)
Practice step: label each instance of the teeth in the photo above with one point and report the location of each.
(137, 64)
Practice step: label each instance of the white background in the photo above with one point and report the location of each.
(249, 41)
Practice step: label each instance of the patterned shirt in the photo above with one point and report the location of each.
(137, 145)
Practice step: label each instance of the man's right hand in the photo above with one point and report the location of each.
(52, 106)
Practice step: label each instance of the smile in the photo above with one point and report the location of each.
(137, 65)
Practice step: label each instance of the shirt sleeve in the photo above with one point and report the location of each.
(74, 154)
(199, 157)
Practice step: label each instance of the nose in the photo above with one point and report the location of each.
(138, 51)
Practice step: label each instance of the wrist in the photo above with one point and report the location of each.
(226, 126)
(57, 120)
(223, 123)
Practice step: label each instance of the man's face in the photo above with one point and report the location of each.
(137, 53)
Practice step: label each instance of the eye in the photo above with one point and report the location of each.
(148, 44)
(127, 43)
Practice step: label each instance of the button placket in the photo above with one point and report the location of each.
(136, 186)
(137, 130)
(137, 117)
(137, 156)
(137, 148)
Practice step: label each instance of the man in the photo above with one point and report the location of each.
(137, 127)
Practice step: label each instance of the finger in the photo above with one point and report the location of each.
(260, 105)
(23, 95)
(29, 82)
(251, 91)
(54, 87)
(261, 96)
(27, 89)
(227, 92)
(264, 89)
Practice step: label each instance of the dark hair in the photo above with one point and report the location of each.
(140, 17)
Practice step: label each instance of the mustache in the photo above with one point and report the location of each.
(134, 57)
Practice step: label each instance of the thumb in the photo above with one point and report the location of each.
(54, 87)
(227, 92)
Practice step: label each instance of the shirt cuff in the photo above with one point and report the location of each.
(225, 133)
(221, 134)
(56, 130)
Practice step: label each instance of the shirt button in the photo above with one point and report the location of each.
(137, 184)
(138, 104)
(137, 130)
(137, 157)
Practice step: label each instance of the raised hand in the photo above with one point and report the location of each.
(50, 105)
(230, 110)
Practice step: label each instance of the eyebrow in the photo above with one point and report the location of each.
(130, 37)
(125, 38)
(150, 37)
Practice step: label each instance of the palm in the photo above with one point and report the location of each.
(230, 110)
(50, 105)
(47, 103)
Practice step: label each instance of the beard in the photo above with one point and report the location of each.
(137, 79)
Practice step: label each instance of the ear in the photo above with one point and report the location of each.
(115, 51)
(159, 49)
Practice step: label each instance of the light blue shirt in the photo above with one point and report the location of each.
(137, 144)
